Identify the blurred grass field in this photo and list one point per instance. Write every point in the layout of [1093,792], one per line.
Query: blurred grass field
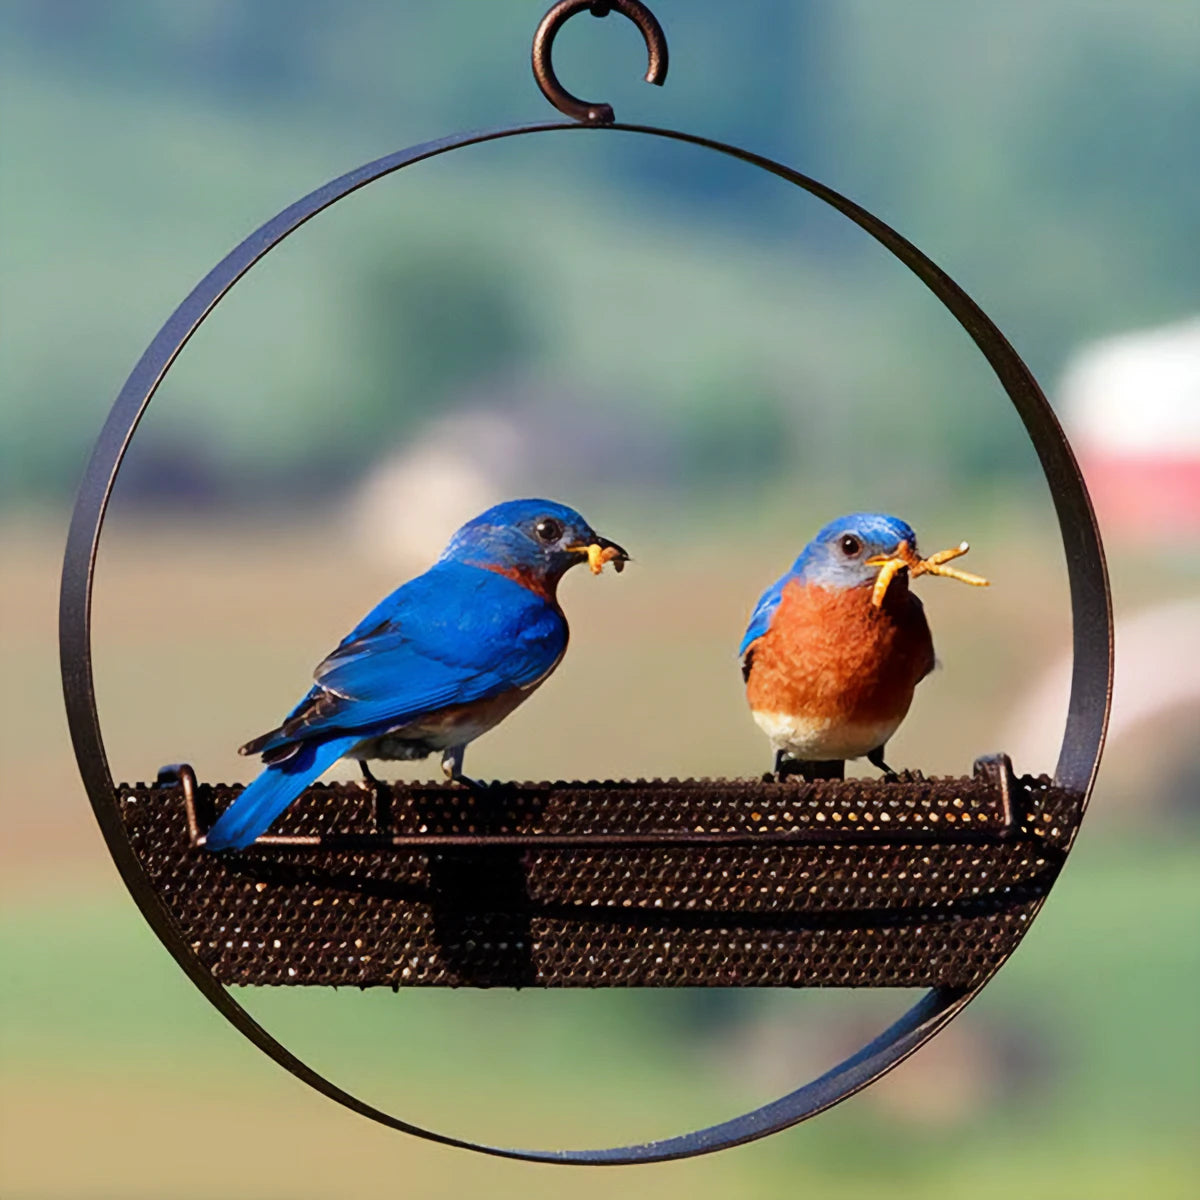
[142,1078]
[1074,1074]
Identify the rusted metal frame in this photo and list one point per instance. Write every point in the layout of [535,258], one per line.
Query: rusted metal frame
[834,833]
[1091,680]
[611,841]
[1086,721]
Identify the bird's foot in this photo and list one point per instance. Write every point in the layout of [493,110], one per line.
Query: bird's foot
[785,766]
[908,775]
[476,785]
[875,758]
[805,769]
[452,761]
[381,797]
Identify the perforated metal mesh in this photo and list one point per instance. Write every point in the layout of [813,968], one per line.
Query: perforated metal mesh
[884,884]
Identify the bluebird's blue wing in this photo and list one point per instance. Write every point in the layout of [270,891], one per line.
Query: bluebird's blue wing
[764,610]
[454,635]
[451,636]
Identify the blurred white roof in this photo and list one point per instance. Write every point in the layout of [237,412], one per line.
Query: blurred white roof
[410,503]
[1136,394]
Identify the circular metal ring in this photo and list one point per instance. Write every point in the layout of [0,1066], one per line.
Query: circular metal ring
[1091,610]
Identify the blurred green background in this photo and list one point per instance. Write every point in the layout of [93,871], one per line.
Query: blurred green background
[710,365]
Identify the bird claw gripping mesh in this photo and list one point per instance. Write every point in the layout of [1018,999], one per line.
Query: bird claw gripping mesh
[716,883]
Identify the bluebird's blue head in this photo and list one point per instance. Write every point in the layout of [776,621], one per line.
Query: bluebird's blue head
[852,552]
[533,541]
[848,552]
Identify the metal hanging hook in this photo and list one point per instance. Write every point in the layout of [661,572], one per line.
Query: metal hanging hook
[587,111]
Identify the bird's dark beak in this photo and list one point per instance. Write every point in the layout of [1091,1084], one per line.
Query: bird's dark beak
[600,551]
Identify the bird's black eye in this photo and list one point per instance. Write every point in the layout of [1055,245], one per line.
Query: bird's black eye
[548,529]
[850,545]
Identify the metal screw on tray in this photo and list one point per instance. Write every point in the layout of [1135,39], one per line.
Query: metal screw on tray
[924,881]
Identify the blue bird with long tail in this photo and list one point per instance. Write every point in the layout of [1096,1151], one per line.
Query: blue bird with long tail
[439,662]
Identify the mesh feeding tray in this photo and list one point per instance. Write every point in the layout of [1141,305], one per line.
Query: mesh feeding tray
[695,883]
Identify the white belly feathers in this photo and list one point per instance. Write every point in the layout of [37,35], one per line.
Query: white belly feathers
[813,739]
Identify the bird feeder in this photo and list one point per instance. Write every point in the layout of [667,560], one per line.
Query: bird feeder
[649,883]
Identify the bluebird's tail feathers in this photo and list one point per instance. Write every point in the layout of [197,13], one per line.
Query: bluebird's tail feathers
[254,811]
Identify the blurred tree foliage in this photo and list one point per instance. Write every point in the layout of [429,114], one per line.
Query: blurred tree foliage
[738,430]
[438,321]
[1039,150]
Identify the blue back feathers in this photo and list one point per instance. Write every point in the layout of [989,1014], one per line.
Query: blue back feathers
[451,636]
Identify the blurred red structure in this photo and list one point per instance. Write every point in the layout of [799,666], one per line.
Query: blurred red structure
[1131,405]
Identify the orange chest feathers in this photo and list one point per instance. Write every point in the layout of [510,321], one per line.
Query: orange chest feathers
[831,654]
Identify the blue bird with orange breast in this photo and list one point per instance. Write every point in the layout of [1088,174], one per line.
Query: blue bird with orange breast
[837,645]
[440,661]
